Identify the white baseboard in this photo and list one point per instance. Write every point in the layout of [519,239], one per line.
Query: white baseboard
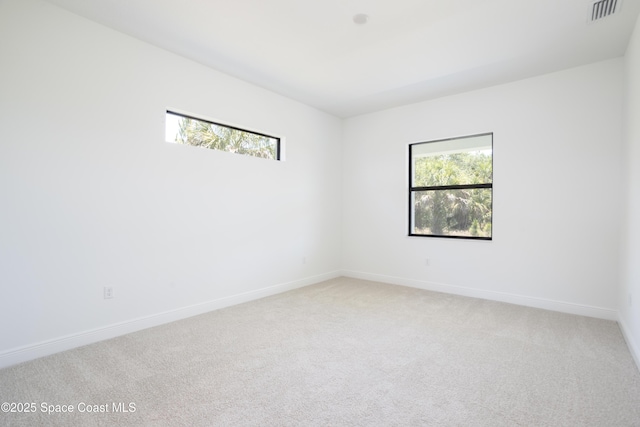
[633,346]
[56,345]
[547,304]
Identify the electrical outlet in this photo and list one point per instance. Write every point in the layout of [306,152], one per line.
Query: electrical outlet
[427,262]
[304,260]
[108,292]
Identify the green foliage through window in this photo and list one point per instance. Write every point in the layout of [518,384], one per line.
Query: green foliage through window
[452,187]
[201,133]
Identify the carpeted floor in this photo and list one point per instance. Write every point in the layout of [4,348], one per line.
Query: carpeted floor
[344,352]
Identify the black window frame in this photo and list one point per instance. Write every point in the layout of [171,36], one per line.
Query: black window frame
[413,189]
[278,140]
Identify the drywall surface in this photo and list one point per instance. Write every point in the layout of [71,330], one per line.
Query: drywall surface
[630,289]
[557,192]
[92,196]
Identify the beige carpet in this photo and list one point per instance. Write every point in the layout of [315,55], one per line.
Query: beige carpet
[344,352]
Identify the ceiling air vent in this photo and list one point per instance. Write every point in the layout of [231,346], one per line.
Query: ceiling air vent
[603,8]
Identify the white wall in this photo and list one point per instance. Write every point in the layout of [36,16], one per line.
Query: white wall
[92,196]
[557,195]
[629,304]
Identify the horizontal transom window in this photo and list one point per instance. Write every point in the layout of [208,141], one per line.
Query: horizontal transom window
[187,130]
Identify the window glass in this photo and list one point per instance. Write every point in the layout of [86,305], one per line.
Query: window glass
[188,130]
[451,187]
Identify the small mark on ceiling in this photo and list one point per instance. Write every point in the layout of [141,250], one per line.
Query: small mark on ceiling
[360,18]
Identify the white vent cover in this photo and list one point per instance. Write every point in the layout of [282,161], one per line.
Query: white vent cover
[602,8]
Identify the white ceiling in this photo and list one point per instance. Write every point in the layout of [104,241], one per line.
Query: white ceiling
[410,50]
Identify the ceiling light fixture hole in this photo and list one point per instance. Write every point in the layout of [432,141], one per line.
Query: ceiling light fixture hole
[360,18]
